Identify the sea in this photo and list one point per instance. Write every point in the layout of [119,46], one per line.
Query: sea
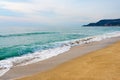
[21,46]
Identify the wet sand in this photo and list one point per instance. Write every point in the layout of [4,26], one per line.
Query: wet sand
[102,64]
[56,66]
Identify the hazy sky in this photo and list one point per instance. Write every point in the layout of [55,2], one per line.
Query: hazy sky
[56,12]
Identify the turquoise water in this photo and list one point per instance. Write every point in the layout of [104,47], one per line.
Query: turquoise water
[17,41]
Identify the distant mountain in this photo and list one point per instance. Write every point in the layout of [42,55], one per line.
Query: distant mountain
[106,22]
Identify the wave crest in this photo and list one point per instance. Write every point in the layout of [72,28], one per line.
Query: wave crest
[27,34]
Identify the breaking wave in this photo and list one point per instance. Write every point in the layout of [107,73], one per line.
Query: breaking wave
[6,65]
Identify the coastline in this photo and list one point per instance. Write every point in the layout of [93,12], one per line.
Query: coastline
[42,66]
[102,64]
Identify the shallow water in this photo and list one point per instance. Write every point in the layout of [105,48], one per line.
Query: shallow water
[18,41]
[25,45]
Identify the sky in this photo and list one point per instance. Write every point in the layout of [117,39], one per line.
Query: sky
[56,12]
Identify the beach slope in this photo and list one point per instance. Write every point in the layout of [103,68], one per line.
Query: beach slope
[103,64]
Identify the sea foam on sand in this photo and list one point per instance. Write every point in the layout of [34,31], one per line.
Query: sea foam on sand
[6,65]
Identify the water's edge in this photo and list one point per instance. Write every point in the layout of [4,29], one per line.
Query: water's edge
[5,65]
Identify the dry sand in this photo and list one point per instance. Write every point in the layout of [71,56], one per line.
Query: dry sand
[99,65]
[102,64]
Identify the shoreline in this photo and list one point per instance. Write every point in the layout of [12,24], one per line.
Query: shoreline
[102,64]
[62,47]
[23,71]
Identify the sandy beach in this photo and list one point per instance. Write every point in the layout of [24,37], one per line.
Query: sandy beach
[102,64]
[59,40]
[93,61]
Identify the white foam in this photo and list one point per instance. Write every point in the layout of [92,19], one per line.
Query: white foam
[5,65]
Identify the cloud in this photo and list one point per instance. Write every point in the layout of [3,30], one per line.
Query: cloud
[6,12]
[62,8]
[17,0]
[16,6]
[58,11]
